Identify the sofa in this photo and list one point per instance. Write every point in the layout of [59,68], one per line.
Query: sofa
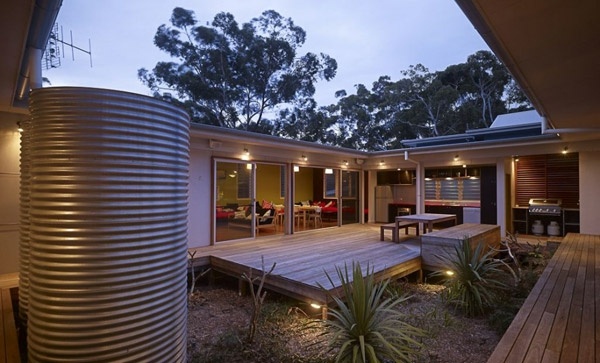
[265,218]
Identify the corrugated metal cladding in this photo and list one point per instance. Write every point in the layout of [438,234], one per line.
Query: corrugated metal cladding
[24,222]
[108,233]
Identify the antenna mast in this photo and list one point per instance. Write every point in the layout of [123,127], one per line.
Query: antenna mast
[56,47]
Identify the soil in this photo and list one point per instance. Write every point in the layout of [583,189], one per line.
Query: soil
[219,318]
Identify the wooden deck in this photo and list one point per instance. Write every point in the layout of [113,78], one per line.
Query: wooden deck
[9,343]
[560,320]
[303,259]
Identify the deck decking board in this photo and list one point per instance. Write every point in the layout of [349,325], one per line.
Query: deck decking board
[302,259]
[9,343]
[587,343]
[537,296]
[597,298]
[559,320]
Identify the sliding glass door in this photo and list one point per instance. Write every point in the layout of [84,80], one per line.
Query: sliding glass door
[349,186]
[329,195]
[249,199]
[234,200]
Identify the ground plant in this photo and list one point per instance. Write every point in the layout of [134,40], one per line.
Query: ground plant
[289,331]
[364,325]
[474,278]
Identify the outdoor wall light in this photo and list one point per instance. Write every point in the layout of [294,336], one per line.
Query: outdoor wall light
[315,306]
[565,150]
[382,162]
[516,159]
[246,154]
[464,166]
[456,157]
[345,162]
[304,158]
[19,127]
[360,161]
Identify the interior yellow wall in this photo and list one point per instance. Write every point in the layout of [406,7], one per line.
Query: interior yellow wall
[304,185]
[228,185]
[268,183]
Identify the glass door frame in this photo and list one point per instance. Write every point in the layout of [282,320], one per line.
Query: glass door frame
[215,196]
[357,198]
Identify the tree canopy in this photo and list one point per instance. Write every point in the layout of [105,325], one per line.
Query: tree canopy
[233,76]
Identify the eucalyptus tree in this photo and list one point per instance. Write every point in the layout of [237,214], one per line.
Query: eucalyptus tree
[307,122]
[429,102]
[231,75]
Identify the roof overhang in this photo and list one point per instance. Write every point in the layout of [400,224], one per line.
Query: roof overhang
[250,138]
[25,25]
[552,48]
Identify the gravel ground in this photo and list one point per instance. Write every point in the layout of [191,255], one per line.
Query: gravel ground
[219,318]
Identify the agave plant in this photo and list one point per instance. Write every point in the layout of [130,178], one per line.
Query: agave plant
[365,326]
[476,278]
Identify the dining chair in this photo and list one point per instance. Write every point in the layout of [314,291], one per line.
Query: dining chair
[315,217]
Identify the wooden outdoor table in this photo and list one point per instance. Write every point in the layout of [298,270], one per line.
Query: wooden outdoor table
[428,219]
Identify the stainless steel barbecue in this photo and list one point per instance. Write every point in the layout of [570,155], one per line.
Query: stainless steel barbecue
[545,207]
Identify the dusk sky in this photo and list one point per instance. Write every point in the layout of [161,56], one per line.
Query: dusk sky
[368,39]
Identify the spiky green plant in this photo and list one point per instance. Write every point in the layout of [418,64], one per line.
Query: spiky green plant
[476,280]
[364,326]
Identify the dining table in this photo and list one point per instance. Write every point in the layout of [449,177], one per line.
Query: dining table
[427,219]
[305,210]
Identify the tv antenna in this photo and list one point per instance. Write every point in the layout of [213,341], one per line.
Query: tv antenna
[55,48]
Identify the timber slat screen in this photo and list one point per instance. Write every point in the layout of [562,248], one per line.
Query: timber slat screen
[560,319]
[548,176]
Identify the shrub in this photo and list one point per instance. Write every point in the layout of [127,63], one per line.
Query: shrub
[476,278]
[365,327]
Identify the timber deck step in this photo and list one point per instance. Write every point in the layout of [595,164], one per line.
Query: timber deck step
[305,259]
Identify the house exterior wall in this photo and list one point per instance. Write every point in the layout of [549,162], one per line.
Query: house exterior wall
[9,196]
[501,190]
[200,197]
[589,184]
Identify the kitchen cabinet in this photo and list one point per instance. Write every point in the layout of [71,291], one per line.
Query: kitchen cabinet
[522,221]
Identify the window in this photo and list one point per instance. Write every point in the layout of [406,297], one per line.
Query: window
[244,181]
[329,184]
[349,184]
[282,182]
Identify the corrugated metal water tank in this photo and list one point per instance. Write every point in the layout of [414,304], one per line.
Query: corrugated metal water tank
[24,163]
[108,227]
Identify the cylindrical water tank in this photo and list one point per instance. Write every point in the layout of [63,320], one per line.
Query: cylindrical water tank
[108,227]
[24,222]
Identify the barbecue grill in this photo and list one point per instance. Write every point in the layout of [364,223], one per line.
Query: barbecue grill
[545,207]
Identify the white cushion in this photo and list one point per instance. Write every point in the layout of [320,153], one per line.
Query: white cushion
[265,216]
